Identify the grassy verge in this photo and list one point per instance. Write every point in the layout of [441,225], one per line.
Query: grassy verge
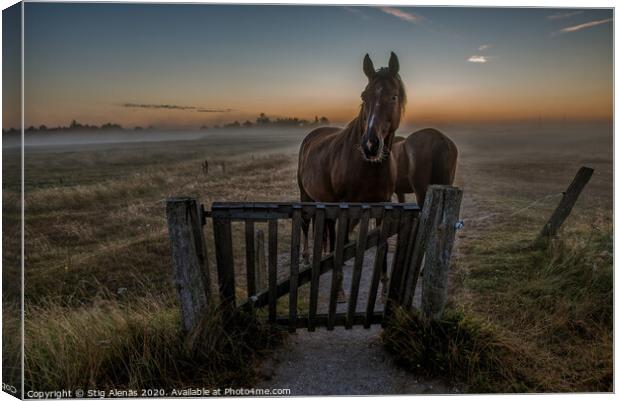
[537,319]
[140,345]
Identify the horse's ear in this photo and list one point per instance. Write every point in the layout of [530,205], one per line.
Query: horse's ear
[393,65]
[369,69]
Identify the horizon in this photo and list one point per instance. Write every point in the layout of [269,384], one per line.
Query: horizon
[184,65]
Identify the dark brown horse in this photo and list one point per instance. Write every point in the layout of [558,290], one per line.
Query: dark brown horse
[425,158]
[355,164]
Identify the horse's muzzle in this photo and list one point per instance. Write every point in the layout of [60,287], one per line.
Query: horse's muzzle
[370,153]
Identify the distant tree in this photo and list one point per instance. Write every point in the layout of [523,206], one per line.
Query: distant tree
[31,128]
[216,126]
[234,124]
[204,127]
[75,125]
[247,124]
[324,120]
[137,128]
[262,119]
[316,120]
[42,128]
[111,126]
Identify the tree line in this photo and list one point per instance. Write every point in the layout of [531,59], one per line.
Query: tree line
[264,121]
[261,121]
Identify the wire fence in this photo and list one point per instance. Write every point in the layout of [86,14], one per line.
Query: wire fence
[461,223]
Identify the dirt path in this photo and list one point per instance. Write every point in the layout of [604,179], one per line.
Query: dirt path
[343,362]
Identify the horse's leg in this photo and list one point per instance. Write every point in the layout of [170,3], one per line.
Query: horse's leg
[401,197]
[342,297]
[305,225]
[329,234]
[384,277]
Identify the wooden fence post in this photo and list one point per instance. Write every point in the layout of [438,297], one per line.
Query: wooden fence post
[189,258]
[566,204]
[439,246]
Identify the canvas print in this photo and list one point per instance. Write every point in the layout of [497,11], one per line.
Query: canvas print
[289,200]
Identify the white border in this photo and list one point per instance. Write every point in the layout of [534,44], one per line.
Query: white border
[470,3]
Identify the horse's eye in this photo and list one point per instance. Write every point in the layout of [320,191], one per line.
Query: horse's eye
[394,98]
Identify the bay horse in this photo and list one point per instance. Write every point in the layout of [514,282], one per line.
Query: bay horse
[424,158]
[355,163]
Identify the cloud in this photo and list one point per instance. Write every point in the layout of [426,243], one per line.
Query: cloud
[478,59]
[483,47]
[175,107]
[158,106]
[403,15]
[358,12]
[201,110]
[563,15]
[579,27]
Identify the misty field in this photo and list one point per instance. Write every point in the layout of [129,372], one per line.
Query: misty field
[98,270]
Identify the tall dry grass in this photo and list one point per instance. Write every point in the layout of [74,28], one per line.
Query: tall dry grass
[541,319]
[111,345]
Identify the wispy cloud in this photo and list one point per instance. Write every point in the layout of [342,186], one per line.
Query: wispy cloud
[201,110]
[478,59]
[175,107]
[157,106]
[579,27]
[403,15]
[563,15]
[358,12]
[483,47]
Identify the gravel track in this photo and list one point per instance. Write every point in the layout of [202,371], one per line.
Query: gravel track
[343,362]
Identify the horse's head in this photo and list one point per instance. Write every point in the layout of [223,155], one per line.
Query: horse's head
[383,101]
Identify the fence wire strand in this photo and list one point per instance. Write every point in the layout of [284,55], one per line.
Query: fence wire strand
[461,223]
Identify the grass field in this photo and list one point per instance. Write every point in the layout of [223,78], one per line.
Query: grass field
[98,264]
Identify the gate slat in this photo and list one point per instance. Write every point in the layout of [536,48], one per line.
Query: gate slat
[273,268]
[305,274]
[224,256]
[378,265]
[407,266]
[295,239]
[250,258]
[338,262]
[357,267]
[398,262]
[317,246]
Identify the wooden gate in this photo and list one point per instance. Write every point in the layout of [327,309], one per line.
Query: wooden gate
[417,236]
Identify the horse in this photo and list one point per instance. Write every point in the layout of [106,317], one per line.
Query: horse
[424,158]
[355,163]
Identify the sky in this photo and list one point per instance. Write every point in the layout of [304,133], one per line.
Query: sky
[184,65]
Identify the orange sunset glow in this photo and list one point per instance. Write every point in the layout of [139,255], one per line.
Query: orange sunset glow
[222,64]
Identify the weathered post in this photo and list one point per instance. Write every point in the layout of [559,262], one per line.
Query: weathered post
[566,204]
[447,200]
[189,258]
[414,265]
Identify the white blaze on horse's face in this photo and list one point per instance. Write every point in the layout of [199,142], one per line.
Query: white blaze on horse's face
[381,109]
